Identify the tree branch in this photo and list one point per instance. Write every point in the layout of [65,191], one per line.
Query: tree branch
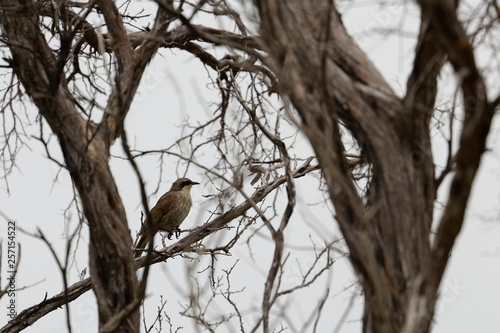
[120,42]
[29,316]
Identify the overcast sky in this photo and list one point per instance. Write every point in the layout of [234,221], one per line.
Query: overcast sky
[175,88]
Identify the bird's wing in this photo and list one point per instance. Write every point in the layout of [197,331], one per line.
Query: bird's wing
[156,213]
[165,203]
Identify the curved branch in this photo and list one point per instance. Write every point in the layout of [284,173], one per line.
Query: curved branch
[29,316]
[32,314]
[120,41]
[478,117]
[221,221]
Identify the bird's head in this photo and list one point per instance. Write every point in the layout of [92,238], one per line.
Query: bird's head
[182,183]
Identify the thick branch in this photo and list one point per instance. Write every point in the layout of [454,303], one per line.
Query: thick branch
[120,41]
[129,77]
[478,116]
[85,152]
[421,87]
[29,316]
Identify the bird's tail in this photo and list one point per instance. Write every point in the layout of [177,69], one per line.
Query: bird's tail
[144,236]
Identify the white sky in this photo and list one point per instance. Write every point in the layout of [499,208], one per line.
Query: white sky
[40,191]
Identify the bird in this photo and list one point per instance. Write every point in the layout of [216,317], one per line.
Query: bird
[168,213]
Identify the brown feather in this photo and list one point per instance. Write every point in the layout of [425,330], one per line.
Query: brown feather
[168,213]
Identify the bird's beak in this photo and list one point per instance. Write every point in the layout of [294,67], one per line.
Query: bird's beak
[195,183]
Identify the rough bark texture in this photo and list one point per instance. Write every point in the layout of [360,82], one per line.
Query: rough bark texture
[86,150]
[335,89]
[330,81]
[85,145]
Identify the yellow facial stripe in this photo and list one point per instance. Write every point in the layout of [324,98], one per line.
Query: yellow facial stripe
[187,186]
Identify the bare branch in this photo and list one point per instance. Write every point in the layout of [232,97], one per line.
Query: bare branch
[31,315]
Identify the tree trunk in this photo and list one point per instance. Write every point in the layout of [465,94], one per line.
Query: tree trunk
[86,151]
[332,83]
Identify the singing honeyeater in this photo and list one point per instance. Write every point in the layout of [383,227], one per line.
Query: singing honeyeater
[168,213]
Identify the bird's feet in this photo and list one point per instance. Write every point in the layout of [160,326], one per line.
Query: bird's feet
[176,231]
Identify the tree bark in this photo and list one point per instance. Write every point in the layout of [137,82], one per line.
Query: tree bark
[332,83]
[337,92]
[85,147]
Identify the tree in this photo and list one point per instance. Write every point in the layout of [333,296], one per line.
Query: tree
[373,147]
